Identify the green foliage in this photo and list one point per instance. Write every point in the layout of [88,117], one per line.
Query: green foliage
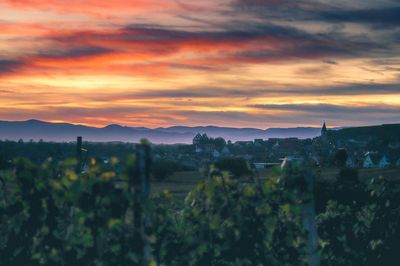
[203,139]
[363,230]
[225,222]
[238,167]
[161,169]
[52,216]
[340,157]
[348,176]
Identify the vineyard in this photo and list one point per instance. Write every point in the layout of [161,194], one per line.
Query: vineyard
[55,214]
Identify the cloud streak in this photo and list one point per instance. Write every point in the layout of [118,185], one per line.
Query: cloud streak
[256,63]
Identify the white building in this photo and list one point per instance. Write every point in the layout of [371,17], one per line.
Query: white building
[368,162]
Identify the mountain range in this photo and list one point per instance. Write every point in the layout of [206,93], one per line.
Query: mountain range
[64,132]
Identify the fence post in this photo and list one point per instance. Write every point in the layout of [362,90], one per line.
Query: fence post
[141,186]
[79,154]
[309,222]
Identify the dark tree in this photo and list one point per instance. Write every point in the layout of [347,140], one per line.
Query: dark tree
[341,157]
[219,143]
[197,139]
[162,169]
[238,167]
[347,175]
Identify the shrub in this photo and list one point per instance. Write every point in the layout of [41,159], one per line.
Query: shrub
[348,175]
[236,166]
[162,169]
[226,222]
[362,231]
[340,157]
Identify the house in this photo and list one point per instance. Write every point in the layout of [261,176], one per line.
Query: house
[368,162]
[384,162]
[225,151]
[216,154]
[371,160]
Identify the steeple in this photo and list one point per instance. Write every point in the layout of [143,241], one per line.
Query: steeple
[324,130]
[324,134]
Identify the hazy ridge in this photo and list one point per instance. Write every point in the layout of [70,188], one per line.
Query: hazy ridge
[59,132]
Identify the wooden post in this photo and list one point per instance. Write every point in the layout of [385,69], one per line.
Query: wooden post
[79,154]
[141,185]
[309,222]
[143,161]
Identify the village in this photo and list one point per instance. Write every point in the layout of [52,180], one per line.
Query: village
[323,151]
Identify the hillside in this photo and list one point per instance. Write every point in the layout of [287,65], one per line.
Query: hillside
[64,132]
[389,132]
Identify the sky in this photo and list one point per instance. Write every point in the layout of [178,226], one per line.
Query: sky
[237,63]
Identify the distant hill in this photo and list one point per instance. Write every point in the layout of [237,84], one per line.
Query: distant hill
[64,132]
[389,132]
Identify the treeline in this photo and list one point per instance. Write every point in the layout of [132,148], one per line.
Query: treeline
[51,215]
[39,152]
[386,133]
[204,140]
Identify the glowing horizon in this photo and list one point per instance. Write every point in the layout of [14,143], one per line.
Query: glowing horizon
[236,63]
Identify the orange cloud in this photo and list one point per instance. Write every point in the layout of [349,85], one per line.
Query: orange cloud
[161,62]
[102,8]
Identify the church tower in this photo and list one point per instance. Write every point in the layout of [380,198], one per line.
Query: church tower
[324,133]
[324,130]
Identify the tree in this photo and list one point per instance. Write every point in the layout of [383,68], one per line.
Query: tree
[238,167]
[162,169]
[204,139]
[348,175]
[219,143]
[197,139]
[340,157]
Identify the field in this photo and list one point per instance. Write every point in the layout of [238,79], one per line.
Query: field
[178,184]
[393,174]
[181,183]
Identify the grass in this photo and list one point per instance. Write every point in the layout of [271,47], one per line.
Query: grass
[329,174]
[181,183]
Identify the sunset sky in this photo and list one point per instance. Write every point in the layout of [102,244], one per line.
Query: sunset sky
[239,63]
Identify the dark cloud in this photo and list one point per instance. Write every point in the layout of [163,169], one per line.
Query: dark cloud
[388,16]
[239,31]
[330,108]
[293,10]
[271,89]
[10,66]
[361,88]
[288,43]
[330,62]
[73,53]
[350,118]
[197,67]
